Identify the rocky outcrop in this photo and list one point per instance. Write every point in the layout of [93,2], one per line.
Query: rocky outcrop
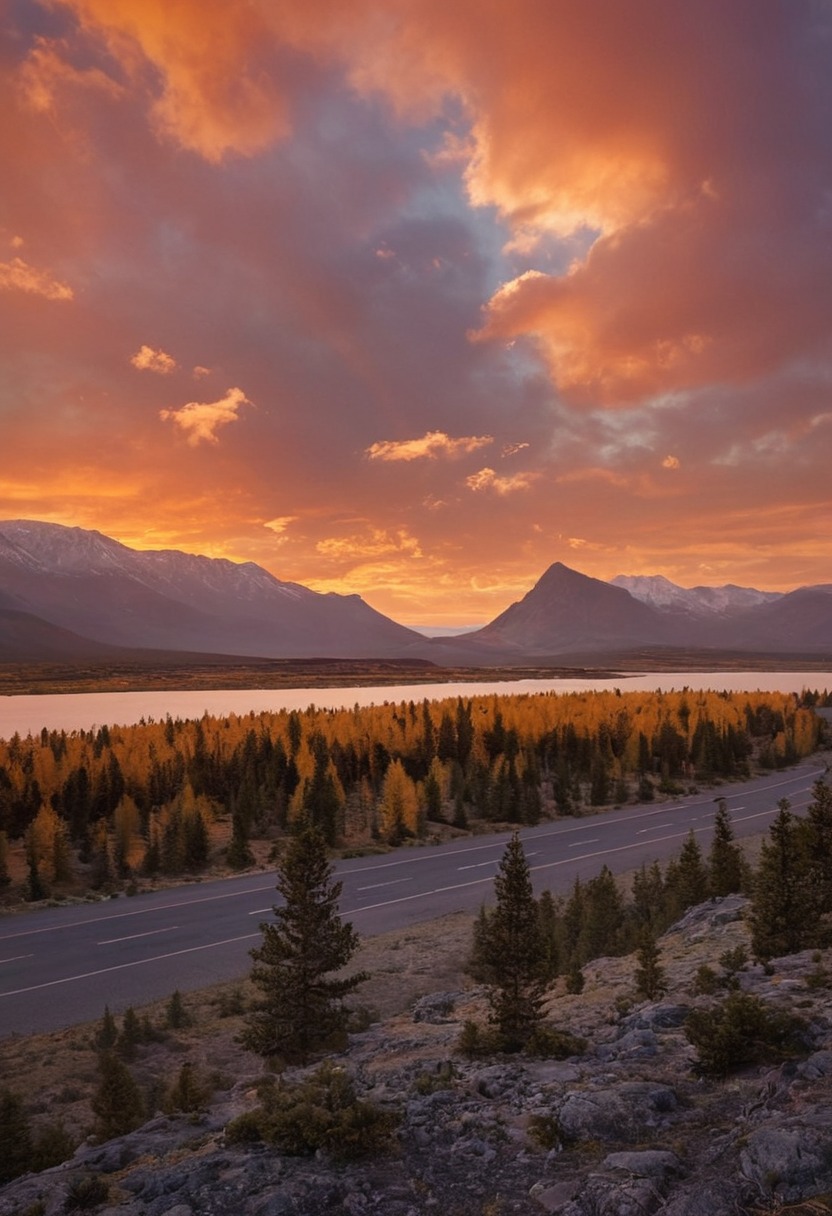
[626,1129]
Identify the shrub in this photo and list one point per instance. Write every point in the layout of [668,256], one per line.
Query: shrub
[706,981]
[320,1113]
[548,1043]
[476,1041]
[739,1032]
[176,1015]
[442,1077]
[545,1130]
[87,1192]
[188,1093]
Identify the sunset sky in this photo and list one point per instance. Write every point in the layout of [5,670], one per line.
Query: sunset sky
[413,298]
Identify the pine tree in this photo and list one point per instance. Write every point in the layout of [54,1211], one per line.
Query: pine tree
[817,831]
[176,1015]
[515,951]
[107,1035]
[602,918]
[727,870]
[781,906]
[117,1102]
[301,1009]
[690,878]
[650,977]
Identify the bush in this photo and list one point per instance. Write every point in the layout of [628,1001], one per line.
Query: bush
[546,1131]
[548,1043]
[739,1032]
[442,1077]
[476,1041]
[188,1093]
[87,1192]
[322,1113]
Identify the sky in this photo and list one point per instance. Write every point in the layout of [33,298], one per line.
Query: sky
[413,299]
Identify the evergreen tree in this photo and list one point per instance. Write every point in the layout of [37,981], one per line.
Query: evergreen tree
[15,1137]
[130,1035]
[5,877]
[35,888]
[515,951]
[817,831]
[650,977]
[238,854]
[727,869]
[301,1009]
[781,906]
[117,1102]
[648,906]
[602,918]
[176,1015]
[107,1035]
[690,878]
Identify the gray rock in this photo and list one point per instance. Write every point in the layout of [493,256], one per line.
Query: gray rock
[789,1163]
[653,1163]
[622,1113]
[435,1008]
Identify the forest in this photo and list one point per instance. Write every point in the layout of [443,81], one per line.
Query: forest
[169,797]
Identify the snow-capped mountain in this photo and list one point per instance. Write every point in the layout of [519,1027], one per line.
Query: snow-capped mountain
[660,592]
[92,585]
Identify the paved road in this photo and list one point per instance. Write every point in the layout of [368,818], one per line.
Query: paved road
[60,966]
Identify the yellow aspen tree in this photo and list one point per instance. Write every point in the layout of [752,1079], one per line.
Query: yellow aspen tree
[398,805]
[126,838]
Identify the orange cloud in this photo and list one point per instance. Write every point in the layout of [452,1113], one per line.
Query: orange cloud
[18,275]
[431,445]
[671,462]
[46,71]
[146,359]
[375,542]
[215,94]
[487,479]
[201,420]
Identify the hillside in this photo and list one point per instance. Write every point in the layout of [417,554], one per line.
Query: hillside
[626,1126]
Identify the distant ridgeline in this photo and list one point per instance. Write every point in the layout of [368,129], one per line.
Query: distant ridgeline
[172,796]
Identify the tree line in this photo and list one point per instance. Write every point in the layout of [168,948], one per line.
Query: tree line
[148,798]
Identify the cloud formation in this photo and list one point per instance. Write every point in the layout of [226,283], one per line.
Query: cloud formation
[146,359]
[594,241]
[431,445]
[200,421]
[18,275]
[487,479]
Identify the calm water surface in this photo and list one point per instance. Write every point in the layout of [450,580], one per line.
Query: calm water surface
[83,711]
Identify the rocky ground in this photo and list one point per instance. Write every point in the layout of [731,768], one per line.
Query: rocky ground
[627,1128]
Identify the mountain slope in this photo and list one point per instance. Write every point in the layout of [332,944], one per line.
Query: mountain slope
[567,611]
[90,584]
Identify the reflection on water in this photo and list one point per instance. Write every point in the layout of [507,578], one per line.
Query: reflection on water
[85,710]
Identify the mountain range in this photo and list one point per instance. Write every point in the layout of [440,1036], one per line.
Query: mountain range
[70,594]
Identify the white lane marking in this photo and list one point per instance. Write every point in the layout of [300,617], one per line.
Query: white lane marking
[111,941]
[478,865]
[579,844]
[15,958]
[99,920]
[139,962]
[657,827]
[390,883]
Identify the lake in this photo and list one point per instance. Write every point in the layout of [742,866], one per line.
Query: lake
[84,711]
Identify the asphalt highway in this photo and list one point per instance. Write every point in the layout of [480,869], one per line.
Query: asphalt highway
[60,966]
